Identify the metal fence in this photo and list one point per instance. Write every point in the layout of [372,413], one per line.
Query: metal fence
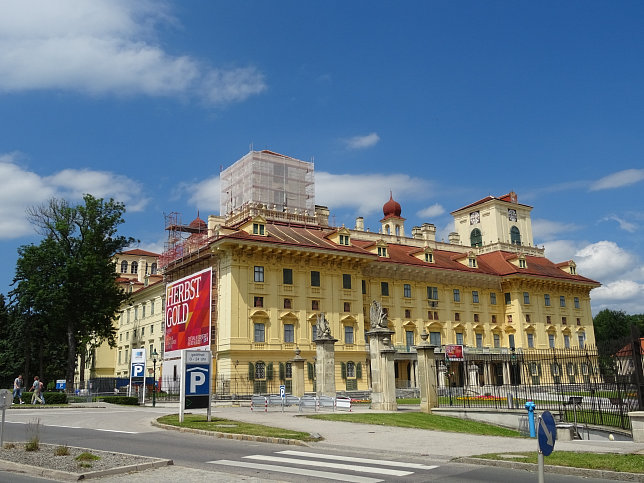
[587,386]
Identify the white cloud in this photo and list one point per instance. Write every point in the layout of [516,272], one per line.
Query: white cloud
[623,224]
[604,261]
[204,195]
[368,191]
[362,142]
[434,210]
[618,179]
[547,229]
[23,189]
[106,47]
[618,291]
[561,250]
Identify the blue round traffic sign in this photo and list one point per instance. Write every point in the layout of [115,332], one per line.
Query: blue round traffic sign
[547,433]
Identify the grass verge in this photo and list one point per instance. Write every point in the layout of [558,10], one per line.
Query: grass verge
[628,463]
[421,421]
[198,421]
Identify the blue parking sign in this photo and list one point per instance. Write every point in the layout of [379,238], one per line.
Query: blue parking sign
[197,379]
[138,370]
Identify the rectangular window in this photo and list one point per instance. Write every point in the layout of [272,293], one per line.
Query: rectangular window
[564,321]
[119,357]
[566,341]
[289,333]
[408,313]
[382,252]
[259,333]
[348,334]
[432,293]
[459,338]
[121,337]
[435,338]
[429,257]
[476,317]
[527,318]
[344,240]
[508,298]
[152,329]
[530,340]
[551,340]
[562,301]
[151,349]
[457,316]
[287,303]
[578,321]
[430,315]
[494,319]
[457,295]
[142,331]
[497,340]
[546,299]
[258,302]
[162,347]
[143,310]
[258,229]
[287,276]
[315,278]
[576,302]
[479,340]
[475,296]
[136,313]
[409,338]
[582,340]
[346,281]
[259,274]
[364,287]
[509,319]
[315,305]
[347,306]
[511,340]
[407,290]
[526,298]
[152,308]
[384,288]
[492,298]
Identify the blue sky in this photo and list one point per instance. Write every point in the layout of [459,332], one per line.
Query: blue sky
[444,103]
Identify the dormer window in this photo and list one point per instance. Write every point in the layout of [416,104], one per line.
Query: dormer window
[471,262]
[522,263]
[258,229]
[344,240]
[429,257]
[382,251]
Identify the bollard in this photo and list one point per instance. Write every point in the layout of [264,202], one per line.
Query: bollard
[530,407]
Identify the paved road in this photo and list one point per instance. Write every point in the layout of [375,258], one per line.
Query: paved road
[349,453]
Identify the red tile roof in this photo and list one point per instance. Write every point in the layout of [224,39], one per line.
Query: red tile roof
[138,251]
[505,198]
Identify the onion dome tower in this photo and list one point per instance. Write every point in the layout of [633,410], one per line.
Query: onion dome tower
[392,223]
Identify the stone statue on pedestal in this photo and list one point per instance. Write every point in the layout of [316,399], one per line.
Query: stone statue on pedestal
[323,331]
[378,316]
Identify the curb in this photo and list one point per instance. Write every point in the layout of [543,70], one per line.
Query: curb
[60,475]
[238,437]
[559,470]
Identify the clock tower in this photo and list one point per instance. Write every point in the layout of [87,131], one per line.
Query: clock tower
[493,220]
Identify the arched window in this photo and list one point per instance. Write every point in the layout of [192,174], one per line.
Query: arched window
[154,269]
[124,266]
[134,268]
[397,230]
[515,236]
[476,239]
[387,229]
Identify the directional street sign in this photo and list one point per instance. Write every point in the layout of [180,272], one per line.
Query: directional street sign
[547,433]
[6,398]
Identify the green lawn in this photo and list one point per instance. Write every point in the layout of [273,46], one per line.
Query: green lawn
[629,463]
[198,421]
[420,421]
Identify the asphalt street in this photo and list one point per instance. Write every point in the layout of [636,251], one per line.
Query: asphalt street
[361,459]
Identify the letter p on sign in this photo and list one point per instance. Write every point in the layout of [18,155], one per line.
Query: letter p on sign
[197,380]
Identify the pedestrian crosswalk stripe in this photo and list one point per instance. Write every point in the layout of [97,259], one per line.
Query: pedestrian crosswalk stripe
[401,464]
[298,471]
[326,464]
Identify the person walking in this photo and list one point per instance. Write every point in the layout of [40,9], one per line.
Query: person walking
[17,388]
[36,396]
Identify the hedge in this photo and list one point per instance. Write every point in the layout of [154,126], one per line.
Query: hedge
[53,397]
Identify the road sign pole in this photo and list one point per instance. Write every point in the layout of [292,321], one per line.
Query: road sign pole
[182,392]
[210,384]
[2,430]
[540,456]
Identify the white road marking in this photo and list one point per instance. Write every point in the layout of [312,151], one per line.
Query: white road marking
[325,464]
[78,427]
[359,460]
[297,471]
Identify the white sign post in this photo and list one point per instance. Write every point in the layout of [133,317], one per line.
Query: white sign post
[6,400]
[196,387]
[137,370]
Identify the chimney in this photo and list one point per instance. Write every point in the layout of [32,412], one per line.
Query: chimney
[322,214]
[429,232]
[416,233]
[360,224]
[454,239]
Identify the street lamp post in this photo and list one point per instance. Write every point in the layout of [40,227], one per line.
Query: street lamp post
[154,377]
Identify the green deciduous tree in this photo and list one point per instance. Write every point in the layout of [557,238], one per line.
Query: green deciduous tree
[66,284]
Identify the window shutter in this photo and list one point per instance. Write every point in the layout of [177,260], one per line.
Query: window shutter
[343,370]
[359,370]
[310,370]
[282,371]
[269,371]
[251,371]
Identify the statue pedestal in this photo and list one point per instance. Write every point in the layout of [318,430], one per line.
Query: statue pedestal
[297,366]
[383,376]
[427,375]
[325,366]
